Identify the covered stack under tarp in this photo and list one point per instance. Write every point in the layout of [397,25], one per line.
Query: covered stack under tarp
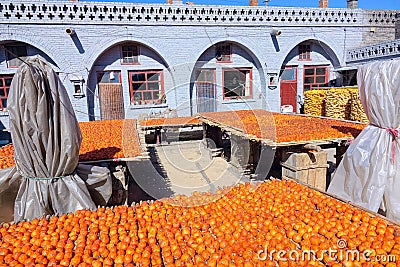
[47,138]
[369,174]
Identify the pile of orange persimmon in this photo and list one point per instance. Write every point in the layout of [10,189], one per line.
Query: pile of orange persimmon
[7,156]
[284,127]
[106,139]
[158,122]
[238,226]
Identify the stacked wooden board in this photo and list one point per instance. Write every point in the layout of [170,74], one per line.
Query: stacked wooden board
[309,168]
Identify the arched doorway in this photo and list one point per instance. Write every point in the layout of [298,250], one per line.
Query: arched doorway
[128,79]
[226,76]
[309,65]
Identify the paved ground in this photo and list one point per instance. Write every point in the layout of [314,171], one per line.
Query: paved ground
[182,168]
[173,169]
[185,167]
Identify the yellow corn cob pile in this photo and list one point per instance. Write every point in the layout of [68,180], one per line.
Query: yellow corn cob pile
[357,112]
[338,103]
[314,102]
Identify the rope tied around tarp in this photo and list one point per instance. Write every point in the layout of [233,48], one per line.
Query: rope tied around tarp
[47,178]
[395,134]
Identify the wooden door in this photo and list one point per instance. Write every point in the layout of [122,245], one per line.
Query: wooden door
[205,90]
[110,93]
[289,87]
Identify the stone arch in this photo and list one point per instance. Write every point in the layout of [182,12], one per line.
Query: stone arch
[41,46]
[100,53]
[105,48]
[291,89]
[93,57]
[325,46]
[236,42]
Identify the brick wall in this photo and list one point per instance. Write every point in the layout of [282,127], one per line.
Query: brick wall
[397,30]
[352,4]
[379,26]
[253,3]
[175,37]
[373,35]
[323,3]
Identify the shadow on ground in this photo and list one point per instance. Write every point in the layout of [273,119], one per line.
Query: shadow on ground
[179,168]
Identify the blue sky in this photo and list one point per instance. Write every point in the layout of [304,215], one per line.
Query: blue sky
[366,4]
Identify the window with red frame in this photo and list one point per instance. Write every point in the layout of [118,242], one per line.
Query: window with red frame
[146,87]
[5,82]
[315,76]
[130,54]
[305,52]
[237,83]
[223,53]
[14,54]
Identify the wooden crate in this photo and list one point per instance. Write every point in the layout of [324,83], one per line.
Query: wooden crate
[309,168]
[314,176]
[301,160]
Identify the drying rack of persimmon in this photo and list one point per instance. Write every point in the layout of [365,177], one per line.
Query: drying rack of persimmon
[279,130]
[245,225]
[177,122]
[105,140]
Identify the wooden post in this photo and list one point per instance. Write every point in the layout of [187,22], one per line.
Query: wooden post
[265,161]
[204,130]
[215,134]
[206,134]
[240,149]
[340,150]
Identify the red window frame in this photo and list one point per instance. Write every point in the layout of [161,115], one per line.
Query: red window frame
[11,54]
[238,97]
[133,53]
[146,82]
[224,51]
[4,88]
[305,52]
[315,84]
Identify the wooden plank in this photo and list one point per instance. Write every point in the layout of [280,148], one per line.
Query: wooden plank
[152,127]
[320,178]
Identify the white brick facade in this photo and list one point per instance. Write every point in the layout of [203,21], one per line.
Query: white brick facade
[178,39]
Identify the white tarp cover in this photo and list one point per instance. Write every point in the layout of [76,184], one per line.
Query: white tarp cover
[369,174]
[47,139]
